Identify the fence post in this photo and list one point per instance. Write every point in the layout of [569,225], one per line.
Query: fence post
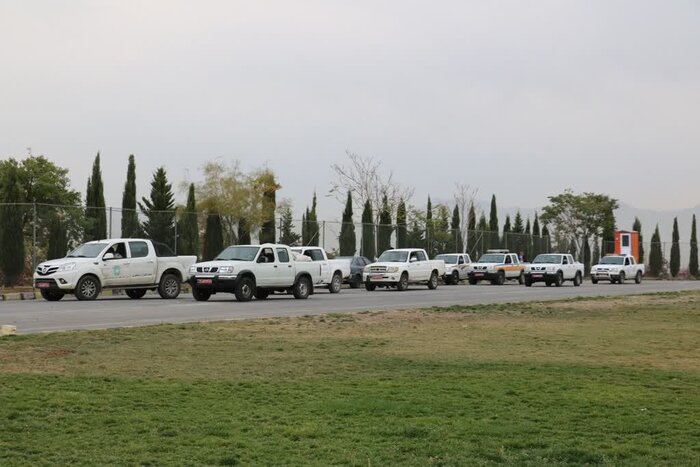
[175,246]
[323,240]
[110,222]
[34,237]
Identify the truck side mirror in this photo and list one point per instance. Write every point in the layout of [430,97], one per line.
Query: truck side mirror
[108,256]
[413,259]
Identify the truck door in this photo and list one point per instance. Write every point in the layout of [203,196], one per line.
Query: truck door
[285,272]
[143,263]
[317,256]
[266,268]
[421,268]
[116,270]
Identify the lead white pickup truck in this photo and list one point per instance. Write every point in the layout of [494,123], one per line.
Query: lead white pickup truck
[554,269]
[133,264]
[401,267]
[249,271]
[333,271]
[617,268]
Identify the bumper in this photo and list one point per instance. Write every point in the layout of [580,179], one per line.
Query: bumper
[605,276]
[537,276]
[382,278]
[213,283]
[483,275]
[56,281]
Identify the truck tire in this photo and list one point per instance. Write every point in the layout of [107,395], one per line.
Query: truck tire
[473,281]
[454,279]
[559,279]
[200,295]
[88,288]
[621,278]
[262,294]
[433,281]
[245,289]
[52,295]
[402,284]
[355,281]
[638,277]
[594,280]
[528,281]
[521,278]
[169,286]
[500,278]
[302,288]
[135,293]
[336,283]
[578,279]
[369,287]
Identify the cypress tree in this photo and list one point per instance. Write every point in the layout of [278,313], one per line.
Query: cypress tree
[528,241]
[455,227]
[586,257]
[517,241]
[471,228]
[368,239]
[693,263]
[58,239]
[244,232]
[304,228]
[287,234]
[385,228]
[11,227]
[401,227]
[96,208]
[213,237]
[493,224]
[159,210]
[429,227]
[130,218]
[187,227]
[637,227]
[536,237]
[546,241]
[347,230]
[312,220]
[88,227]
[269,187]
[609,232]
[656,256]
[506,231]
[675,264]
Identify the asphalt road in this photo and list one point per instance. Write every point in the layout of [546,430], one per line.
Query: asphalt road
[112,312]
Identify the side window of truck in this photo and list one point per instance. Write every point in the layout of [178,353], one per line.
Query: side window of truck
[421,256]
[282,255]
[138,249]
[509,259]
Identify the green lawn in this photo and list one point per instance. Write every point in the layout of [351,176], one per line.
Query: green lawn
[613,381]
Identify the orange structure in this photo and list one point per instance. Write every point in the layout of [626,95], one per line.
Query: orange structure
[627,243]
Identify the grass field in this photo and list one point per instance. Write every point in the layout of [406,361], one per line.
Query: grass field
[590,381]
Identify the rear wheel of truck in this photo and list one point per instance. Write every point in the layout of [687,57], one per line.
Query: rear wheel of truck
[638,277]
[521,278]
[578,279]
[52,295]
[433,281]
[135,293]
[245,288]
[169,286]
[336,283]
[302,288]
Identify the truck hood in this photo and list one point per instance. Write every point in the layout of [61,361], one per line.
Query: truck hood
[58,263]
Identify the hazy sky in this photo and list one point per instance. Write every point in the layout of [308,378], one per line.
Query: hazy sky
[517,98]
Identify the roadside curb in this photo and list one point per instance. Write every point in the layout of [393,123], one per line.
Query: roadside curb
[17,296]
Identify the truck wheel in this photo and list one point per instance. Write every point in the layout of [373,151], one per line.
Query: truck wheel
[528,281]
[473,281]
[200,295]
[548,282]
[52,295]
[638,277]
[355,281]
[88,288]
[336,283]
[500,278]
[578,279]
[433,282]
[559,279]
[454,280]
[245,288]
[621,279]
[169,286]
[370,287]
[403,282]
[521,278]
[594,280]
[261,294]
[135,293]
[302,288]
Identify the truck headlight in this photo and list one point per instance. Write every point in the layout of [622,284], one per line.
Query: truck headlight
[392,269]
[193,269]
[366,269]
[226,269]
[551,268]
[67,267]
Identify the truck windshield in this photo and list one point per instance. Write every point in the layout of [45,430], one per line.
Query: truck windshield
[491,258]
[391,256]
[87,250]
[238,253]
[448,259]
[547,259]
[613,260]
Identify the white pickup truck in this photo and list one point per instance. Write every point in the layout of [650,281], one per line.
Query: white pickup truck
[400,267]
[133,264]
[617,268]
[250,271]
[333,271]
[554,268]
[456,267]
[497,266]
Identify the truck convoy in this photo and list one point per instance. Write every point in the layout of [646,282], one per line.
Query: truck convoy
[497,266]
[554,269]
[133,264]
[616,269]
[333,271]
[249,271]
[401,267]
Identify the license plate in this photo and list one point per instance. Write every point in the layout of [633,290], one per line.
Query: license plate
[537,276]
[478,274]
[43,285]
[204,281]
[376,277]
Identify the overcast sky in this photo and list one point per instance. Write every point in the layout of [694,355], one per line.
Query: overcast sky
[518,98]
